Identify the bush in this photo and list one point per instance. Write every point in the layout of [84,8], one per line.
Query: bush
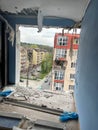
[42,75]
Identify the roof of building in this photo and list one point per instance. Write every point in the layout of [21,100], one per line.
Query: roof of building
[40,50]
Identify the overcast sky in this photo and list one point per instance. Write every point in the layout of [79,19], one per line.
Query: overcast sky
[45,37]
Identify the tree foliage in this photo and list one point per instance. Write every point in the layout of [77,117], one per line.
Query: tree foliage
[46,64]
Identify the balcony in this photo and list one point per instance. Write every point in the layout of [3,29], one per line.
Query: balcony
[58,67]
[60,58]
[59,64]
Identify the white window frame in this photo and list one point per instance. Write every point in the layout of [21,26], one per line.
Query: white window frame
[59,75]
[63,40]
[61,53]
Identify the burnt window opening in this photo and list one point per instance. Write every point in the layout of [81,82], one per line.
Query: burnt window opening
[61,64]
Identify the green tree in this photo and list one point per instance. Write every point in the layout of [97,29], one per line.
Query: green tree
[46,64]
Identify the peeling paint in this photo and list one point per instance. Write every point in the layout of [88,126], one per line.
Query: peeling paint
[24,11]
[28,11]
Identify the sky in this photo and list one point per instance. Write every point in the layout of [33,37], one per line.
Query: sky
[45,37]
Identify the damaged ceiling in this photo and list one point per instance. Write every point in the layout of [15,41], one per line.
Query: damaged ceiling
[70,12]
[70,9]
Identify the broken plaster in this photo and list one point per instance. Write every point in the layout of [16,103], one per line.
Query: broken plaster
[9,30]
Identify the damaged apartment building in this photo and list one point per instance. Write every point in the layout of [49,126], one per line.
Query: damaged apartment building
[64,61]
[65,14]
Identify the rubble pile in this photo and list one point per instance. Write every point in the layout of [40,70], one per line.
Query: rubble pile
[64,100]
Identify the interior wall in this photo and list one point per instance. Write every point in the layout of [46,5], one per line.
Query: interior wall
[3,55]
[0,52]
[86,90]
[11,59]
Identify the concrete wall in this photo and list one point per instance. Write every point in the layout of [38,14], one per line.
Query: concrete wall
[11,60]
[0,52]
[86,90]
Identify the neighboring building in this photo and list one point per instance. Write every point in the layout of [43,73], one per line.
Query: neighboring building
[23,59]
[31,57]
[64,61]
[38,56]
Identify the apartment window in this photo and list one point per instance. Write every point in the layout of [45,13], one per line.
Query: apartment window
[76,41]
[61,53]
[75,53]
[73,64]
[58,86]
[29,53]
[62,41]
[59,75]
[37,57]
[71,87]
[72,76]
